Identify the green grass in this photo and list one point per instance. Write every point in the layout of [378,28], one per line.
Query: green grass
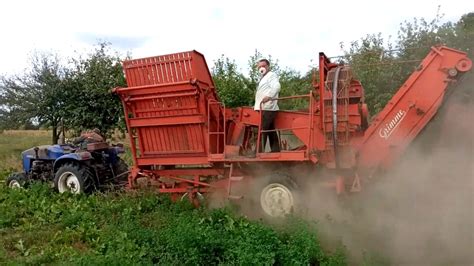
[13,142]
[40,226]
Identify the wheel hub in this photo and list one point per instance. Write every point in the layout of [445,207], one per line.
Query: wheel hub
[69,182]
[276,200]
[14,184]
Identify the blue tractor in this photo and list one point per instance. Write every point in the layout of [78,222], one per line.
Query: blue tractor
[73,168]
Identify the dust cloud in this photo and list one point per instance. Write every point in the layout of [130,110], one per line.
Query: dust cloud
[421,212]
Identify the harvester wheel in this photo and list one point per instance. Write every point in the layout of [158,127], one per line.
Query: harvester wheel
[277,196]
[196,199]
[16,180]
[74,178]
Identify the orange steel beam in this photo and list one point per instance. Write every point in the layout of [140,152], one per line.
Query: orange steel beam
[166,121]
[411,108]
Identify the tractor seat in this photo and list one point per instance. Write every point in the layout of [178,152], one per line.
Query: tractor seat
[95,146]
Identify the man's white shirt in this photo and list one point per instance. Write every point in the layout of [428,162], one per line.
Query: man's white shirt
[268,86]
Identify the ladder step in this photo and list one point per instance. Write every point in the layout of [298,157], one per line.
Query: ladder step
[235,197]
[236,178]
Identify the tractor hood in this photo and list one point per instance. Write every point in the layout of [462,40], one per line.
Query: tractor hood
[45,152]
[51,152]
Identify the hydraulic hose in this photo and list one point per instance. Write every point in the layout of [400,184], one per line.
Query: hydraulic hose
[334,115]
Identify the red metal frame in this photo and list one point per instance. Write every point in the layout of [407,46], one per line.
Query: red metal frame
[220,134]
[178,126]
[309,126]
[411,108]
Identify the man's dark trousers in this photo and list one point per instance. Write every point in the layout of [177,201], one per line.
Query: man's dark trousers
[268,123]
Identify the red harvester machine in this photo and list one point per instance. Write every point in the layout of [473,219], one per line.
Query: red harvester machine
[186,142]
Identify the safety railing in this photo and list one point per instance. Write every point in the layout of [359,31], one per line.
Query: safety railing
[309,127]
[217,133]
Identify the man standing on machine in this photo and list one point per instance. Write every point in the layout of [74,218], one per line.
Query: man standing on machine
[267,92]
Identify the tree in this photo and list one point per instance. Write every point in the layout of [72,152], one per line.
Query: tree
[293,83]
[376,68]
[90,103]
[36,96]
[382,67]
[463,37]
[51,94]
[231,84]
[235,89]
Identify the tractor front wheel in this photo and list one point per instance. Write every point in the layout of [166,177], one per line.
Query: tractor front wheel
[16,180]
[74,178]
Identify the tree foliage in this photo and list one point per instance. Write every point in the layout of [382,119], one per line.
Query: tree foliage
[36,96]
[374,68]
[76,96]
[90,103]
[383,65]
[293,83]
[236,89]
[232,86]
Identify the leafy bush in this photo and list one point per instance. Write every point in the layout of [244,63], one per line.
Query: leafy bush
[41,226]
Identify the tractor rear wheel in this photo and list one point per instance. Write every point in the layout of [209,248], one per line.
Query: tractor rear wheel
[74,178]
[278,197]
[16,180]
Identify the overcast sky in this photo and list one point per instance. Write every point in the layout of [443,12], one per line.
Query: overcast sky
[291,31]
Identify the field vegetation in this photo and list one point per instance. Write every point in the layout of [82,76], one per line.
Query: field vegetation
[39,225]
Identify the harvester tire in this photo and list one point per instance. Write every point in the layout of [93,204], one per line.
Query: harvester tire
[16,180]
[277,196]
[74,178]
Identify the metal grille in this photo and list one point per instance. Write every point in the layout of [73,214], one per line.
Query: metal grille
[166,105]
